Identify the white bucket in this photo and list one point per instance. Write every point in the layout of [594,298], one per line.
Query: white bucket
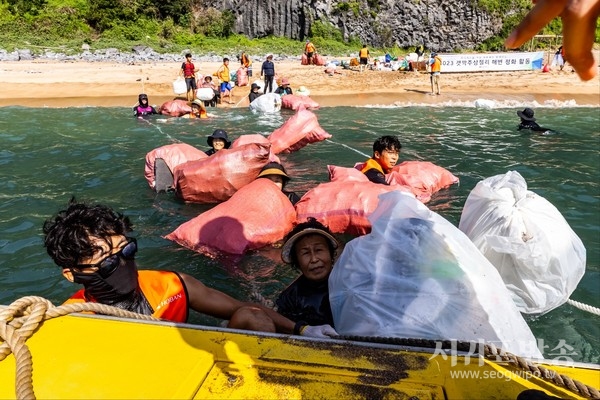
[179,86]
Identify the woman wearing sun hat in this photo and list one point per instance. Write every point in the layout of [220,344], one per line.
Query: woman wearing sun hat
[284,88]
[217,141]
[311,248]
[276,173]
[528,121]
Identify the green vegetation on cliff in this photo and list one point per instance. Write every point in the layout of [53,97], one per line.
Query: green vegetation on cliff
[176,25]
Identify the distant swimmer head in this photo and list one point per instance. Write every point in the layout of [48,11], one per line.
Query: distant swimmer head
[526,114]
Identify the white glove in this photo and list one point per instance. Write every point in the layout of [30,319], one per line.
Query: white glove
[319,331]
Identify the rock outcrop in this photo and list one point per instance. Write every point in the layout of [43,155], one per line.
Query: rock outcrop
[440,25]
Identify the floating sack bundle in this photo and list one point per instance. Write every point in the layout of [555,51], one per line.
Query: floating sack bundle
[175,108]
[172,155]
[267,103]
[423,176]
[242,77]
[254,138]
[218,177]
[255,216]
[300,130]
[296,102]
[345,203]
[539,257]
[417,276]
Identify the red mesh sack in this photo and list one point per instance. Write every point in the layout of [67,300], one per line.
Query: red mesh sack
[218,177]
[257,215]
[295,102]
[174,155]
[423,176]
[175,108]
[301,129]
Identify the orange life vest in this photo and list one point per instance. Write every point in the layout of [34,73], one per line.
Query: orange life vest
[164,290]
[372,164]
[437,64]
[364,53]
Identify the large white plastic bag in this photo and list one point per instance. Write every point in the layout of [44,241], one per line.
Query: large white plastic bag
[266,103]
[539,257]
[417,276]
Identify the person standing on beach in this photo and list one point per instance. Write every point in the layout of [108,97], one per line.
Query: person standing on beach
[268,71]
[435,63]
[188,71]
[225,77]
[246,63]
[363,56]
[309,50]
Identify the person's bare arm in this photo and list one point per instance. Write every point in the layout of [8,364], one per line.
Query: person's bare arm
[218,304]
[579,18]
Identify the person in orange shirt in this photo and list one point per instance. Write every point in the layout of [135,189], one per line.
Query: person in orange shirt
[91,245]
[198,110]
[435,63]
[310,50]
[363,56]
[246,63]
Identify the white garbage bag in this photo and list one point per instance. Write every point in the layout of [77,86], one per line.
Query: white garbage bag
[417,276]
[266,103]
[539,257]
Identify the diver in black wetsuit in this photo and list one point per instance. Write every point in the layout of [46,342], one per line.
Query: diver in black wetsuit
[528,121]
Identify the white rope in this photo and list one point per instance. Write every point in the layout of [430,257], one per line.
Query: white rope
[584,307]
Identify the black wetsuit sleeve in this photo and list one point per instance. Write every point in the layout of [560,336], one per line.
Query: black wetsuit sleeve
[375,176]
[153,111]
[293,197]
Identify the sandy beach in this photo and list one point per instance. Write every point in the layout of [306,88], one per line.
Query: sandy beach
[43,83]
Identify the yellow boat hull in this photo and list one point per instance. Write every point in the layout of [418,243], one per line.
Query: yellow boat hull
[95,357]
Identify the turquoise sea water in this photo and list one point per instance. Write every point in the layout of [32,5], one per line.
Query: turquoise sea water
[97,154]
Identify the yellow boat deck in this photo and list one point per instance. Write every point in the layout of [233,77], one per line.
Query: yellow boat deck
[95,357]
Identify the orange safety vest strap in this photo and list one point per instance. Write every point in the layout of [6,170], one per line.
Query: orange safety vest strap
[164,290]
[437,64]
[372,164]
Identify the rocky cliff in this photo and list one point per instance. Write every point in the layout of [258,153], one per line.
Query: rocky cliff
[441,25]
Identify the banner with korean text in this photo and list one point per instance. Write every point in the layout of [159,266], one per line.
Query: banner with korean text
[515,61]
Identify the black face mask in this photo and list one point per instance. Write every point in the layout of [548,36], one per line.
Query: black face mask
[116,287]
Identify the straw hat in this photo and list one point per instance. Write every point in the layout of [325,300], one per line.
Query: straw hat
[274,168]
[303,91]
[312,226]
